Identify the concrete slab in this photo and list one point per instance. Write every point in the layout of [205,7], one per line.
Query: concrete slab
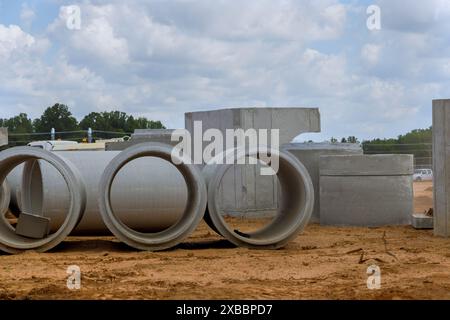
[3,136]
[309,155]
[362,190]
[244,191]
[422,221]
[32,226]
[441,167]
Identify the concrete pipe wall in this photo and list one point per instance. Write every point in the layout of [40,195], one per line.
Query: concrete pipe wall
[295,204]
[5,196]
[15,183]
[10,240]
[149,194]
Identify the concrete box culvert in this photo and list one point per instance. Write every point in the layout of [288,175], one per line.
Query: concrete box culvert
[148,194]
[295,204]
[366,191]
[309,155]
[11,242]
[190,218]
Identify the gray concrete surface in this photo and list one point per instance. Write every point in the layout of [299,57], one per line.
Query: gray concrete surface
[32,226]
[441,167]
[143,135]
[422,221]
[362,190]
[309,155]
[244,191]
[3,136]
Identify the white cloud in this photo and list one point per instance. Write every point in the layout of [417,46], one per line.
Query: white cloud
[371,53]
[27,16]
[161,59]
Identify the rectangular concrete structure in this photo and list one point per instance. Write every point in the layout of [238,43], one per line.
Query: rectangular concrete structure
[441,167]
[421,221]
[309,155]
[3,137]
[32,226]
[362,190]
[244,191]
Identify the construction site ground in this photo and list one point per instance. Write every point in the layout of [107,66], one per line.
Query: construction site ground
[321,263]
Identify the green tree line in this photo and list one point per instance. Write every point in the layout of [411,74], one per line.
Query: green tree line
[59,117]
[416,142]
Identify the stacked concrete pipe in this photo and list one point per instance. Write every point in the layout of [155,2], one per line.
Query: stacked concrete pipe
[296,200]
[148,195]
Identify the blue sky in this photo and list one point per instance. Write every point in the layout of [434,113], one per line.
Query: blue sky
[162,58]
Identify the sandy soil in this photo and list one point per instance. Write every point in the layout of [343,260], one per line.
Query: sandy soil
[322,263]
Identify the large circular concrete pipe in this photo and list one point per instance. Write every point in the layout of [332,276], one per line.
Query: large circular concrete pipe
[148,195]
[191,216]
[12,242]
[295,205]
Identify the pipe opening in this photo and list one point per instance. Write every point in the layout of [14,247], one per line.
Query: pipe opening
[295,204]
[12,242]
[149,202]
[171,236]
[252,207]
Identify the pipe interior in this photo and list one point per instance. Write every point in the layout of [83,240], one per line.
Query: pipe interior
[184,221]
[151,197]
[246,215]
[7,231]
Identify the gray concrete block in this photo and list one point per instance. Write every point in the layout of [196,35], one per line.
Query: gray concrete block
[441,167]
[244,190]
[422,221]
[32,226]
[309,155]
[381,194]
[364,165]
[3,136]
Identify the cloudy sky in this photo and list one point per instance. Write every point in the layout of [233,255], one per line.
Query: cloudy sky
[162,58]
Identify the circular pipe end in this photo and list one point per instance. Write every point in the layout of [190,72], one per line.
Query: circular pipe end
[11,242]
[193,213]
[296,203]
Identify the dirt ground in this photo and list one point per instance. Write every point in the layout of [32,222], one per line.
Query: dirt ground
[322,263]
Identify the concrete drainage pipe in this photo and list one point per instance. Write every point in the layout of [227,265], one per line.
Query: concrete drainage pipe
[139,209]
[5,196]
[295,205]
[13,243]
[193,212]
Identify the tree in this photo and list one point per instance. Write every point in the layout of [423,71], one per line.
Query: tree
[117,121]
[59,117]
[333,140]
[18,124]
